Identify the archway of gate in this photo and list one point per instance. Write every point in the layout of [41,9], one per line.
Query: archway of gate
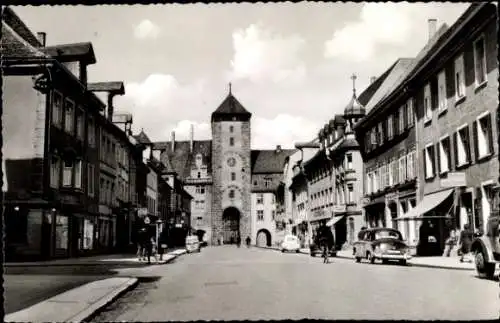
[230,225]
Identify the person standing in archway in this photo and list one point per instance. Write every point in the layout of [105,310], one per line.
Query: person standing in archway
[238,240]
[248,240]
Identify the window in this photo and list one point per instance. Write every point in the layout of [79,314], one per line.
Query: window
[444,155]
[462,146]
[395,172]
[390,181]
[382,177]
[67,172]
[349,161]
[390,127]
[198,175]
[375,181]
[367,183]
[267,182]
[350,193]
[402,117]
[402,169]
[459,77]
[80,131]
[380,136]
[260,215]
[231,129]
[55,171]
[273,214]
[202,190]
[260,198]
[410,112]
[442,97]
[231,141]
[57,109]
[396,123]
[373,138]
[427,103]
[78,174]
[233,176]
[429,161]
[480,61]
[91,133]
[483,136]
[69,116]
[410,165]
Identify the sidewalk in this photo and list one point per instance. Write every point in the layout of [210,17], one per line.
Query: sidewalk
[97,260]
[79,304]
[430,262]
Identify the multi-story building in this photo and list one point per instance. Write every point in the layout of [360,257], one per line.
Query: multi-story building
[267,172]
[456,93]
[51,169]
[219,171]
[387,138]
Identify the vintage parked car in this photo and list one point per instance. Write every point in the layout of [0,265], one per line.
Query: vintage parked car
[290,243]
[384,244]
[486,248]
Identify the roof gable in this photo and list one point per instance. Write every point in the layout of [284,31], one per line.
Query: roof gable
[142,138]
[14,45]
[269,161]
[72,52]
[181,160]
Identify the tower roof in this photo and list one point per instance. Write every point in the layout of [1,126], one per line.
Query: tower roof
[354,108]
[231,107]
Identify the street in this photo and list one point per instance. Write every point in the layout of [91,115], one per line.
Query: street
[228,283]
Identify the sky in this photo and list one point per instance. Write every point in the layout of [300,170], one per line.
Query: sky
[289,64]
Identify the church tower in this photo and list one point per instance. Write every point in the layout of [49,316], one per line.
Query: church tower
[231,171]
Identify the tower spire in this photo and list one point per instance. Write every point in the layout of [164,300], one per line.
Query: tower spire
[229,87]
[353,78]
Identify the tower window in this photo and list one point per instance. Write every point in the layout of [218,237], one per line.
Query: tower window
[231,141]
[233,176]
[231,194]
[231,128]
[199,174]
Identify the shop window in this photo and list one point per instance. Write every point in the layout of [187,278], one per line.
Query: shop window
[61,232]
[69,116]
[88,234]
[459,78]
[16,224]
[427,103]
[444,156]
[480,61]
[429,161]
[462,146]
[483,134]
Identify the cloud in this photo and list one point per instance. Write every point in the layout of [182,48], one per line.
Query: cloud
[282,130]
[385,26]
[260,55]
[146,29]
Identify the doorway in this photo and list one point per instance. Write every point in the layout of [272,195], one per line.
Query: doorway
[230,225]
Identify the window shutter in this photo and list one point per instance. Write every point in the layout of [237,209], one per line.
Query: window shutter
[474,140]
[425,162]
[438,156]
[455,149]
[491,121]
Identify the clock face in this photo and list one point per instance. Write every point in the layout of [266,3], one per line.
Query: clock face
[231,161]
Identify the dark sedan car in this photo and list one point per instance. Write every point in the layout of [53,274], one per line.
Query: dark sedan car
[381,244]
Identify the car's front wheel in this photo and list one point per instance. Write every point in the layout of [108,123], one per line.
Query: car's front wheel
[484,268]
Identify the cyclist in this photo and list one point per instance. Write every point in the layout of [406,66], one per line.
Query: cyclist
[325,240]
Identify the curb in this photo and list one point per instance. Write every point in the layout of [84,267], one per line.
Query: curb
[410,264]
[94,309]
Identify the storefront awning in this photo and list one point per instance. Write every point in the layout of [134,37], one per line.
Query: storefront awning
[429,202]
[376,201]
[334,220]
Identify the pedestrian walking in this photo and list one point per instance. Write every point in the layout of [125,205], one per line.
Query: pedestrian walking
[163,243]
[248,240]
[450,243]
[238,241]
[141,244]
[466,237]
[149,249]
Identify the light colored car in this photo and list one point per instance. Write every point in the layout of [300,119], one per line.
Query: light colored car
[290,243]
[381,244]
[193,244]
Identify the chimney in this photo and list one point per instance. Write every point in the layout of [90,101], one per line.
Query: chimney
[42,37]
[432,27]
[373,79]
[278,148]
[110,106]
[172,140]
[191,138]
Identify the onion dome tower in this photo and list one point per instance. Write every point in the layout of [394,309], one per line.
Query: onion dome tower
[354,110]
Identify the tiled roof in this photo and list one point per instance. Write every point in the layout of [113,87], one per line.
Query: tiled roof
[69,52]
[269,161]
[349,144]
[13,45]
[18,26]
[116,87]
[142,138]
[392,77]
[231,106]
[181,160]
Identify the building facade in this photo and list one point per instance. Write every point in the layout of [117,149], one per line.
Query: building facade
[456,94]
